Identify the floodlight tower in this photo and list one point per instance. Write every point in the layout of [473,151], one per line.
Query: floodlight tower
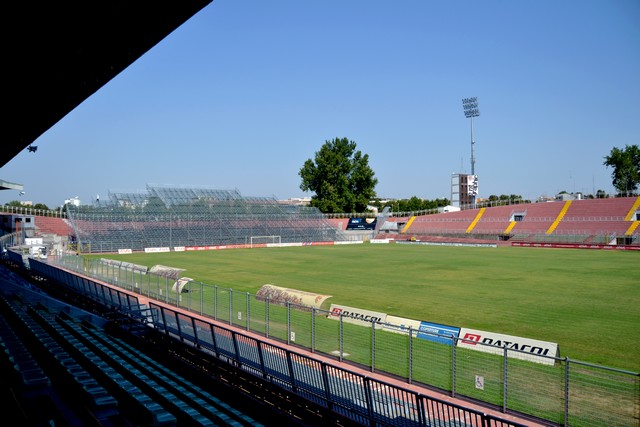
[470,106]
[471,110]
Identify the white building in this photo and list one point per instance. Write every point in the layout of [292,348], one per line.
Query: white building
[75,201]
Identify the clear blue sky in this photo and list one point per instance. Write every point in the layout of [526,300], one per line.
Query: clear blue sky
[247,90]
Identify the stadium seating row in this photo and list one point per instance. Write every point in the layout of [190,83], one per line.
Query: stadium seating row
[85,377]
[578,221]
[143,372]
[53,225]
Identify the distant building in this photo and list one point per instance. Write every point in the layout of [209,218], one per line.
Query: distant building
[21,223]
[566,196]
[75,201]
[448,208]
[464,188]
[544,199]
[296,201]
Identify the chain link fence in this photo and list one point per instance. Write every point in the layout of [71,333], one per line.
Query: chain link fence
[561,391]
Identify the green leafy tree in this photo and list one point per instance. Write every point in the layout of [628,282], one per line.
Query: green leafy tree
[414,204]
[505,199]
[626,168]
[340,177]
[601,194]
[18,203]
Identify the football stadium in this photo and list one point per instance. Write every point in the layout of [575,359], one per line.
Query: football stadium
[189,305]
[192,272]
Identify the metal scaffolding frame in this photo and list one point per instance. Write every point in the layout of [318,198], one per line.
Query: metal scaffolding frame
[175,216]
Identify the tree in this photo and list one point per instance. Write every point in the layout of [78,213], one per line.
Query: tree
[410,205]
[626,168]
[19,204]
[340,177]
[505,199]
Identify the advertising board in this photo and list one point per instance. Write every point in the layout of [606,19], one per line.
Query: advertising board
[157,250]
[519,348]
[357,316]
[362,224]
[438,333]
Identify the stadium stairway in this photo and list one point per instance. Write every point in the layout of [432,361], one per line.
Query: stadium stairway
[633,210]
[477,218]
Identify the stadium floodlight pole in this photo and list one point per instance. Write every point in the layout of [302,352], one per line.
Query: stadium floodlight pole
[471,110]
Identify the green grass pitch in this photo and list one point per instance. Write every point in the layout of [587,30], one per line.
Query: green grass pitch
[587,301]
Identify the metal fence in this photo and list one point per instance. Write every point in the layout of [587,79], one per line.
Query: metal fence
[562,391]
[365,400]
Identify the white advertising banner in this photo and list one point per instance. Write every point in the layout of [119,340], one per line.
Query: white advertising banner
[357,316]
[519,348]
[156,250]
[380,240]
[472,185]
[124,251]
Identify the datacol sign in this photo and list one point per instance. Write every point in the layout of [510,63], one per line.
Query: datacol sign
[438,333]
[517,347]
[357,316]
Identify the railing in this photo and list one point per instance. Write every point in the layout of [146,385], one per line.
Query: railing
[9,240]
[419,212]
[26,210]
[561,391]
[363,399]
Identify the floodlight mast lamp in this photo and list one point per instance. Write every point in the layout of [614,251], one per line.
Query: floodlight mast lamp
[471,110]
[470,106]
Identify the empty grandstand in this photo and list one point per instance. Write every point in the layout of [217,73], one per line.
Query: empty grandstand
[74,366]
[78,352]
[610,221]
[173,216]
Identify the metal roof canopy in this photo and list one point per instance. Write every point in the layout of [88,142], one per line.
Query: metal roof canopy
[57,54]
[4,185]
